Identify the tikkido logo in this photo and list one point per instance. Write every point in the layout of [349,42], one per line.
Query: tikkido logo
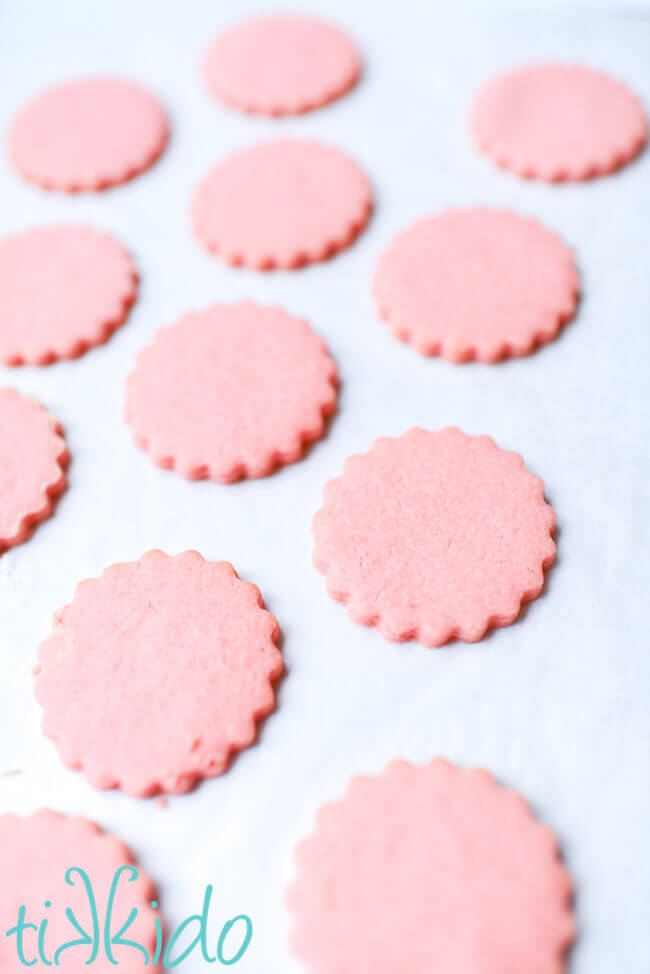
[98,938]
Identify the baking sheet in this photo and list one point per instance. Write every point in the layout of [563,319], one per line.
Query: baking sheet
[556,705]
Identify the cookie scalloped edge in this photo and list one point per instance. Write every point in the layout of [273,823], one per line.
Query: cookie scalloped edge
[104,329]
[301,106]
[395,629]
[399,767]
[119,851]
[105,180]
[176,784]
[312,429]
[280,109]
[461,353]
[50,491]
[505,159]
[319,252]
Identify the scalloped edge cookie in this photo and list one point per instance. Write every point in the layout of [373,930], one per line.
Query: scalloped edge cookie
[610,159]
[176,780]
[294,101]
[105,324]
[311,429]
[111,173]
[317,927]
[141,891]
[492,350]
[266,257]
[400,623]
[50,491]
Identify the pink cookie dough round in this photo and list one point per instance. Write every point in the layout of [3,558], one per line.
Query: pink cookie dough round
[63,290]
[37,852]
[281,205]
[558,122]
[282,65]
[88,135]
[252,387]
[426,869]
[33,458]
[157,673]
[476,284]
[434,536]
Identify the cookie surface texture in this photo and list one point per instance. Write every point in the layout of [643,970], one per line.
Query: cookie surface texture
[63,290]
[157,672]
[558,122]
[281,205]
[476,284]
[33,458]
[252,387]
[37,852]
[427,869]
[434,536]
[281,65]
[88,135]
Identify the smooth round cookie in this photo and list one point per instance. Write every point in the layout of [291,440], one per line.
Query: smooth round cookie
[252,387]
[37,852]
[157,672]
[33,458]
[282,65]
[63,290]
[476,284]
[88,135]
[558,122]
[434,536]
[426,869]
[281,205]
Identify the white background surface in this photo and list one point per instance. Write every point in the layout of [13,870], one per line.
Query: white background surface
[557,705]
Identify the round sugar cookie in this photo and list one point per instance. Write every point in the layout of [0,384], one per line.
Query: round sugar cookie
[281,205]
[426,869]
[63,290]
[434,536]
[282,65]
[157,673]
[37,852]
[252,386]
[88,135]
[558,122]
[476,284]
[33,458]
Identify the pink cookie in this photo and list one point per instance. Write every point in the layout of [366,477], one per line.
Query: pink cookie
[431,869]
[434,536]
[476,284]
[252,386]
[88,135]
[157,673]
[37,852]
[62,290]
[33,457]
[281,205]
[281,65]
[558,122]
